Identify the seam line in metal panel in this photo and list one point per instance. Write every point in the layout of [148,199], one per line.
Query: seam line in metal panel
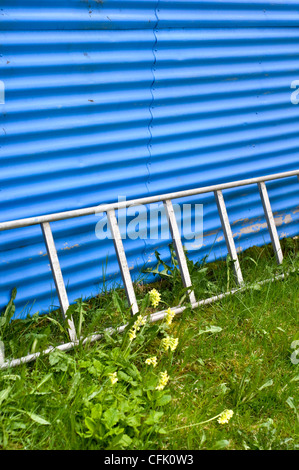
[149,143]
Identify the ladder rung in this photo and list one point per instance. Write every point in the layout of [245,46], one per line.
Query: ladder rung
[58,278]
[178,246]
[228,236]
[270,222]
[122,261]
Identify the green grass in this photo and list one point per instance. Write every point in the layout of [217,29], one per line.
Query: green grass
[233,354]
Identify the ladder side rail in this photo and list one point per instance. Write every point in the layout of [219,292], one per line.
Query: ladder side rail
[179,250]
[270,222]
[122,261]
[58,278]
[228,235]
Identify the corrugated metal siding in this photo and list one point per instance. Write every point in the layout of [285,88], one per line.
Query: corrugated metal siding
[114,98]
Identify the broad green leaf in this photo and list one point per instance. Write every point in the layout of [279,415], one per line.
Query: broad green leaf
[96,368]
[38,419]
[15,425]
[162,431]
[212,329]
[125,377]
[221,444]
[96,411]
[163,400]
[295,379]
[290,402]
[123,441]
[4,394]
[111,417]
[133,421]
[14,377]
[74,386]
[266,384]
[154,417]
[90,424]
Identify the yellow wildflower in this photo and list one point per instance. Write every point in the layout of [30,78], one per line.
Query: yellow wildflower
[151,360]
[139,322]
[155,297]
[132,335]
[136,327]
[113,378]
[164,377]
[169,316]
[225,416]
[170,342]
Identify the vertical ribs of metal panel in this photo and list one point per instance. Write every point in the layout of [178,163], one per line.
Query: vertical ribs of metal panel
[270,222]
[177,242]
[122,261]
[58,279]
[228,236]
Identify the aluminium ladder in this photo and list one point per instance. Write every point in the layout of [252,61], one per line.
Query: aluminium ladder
[109,209]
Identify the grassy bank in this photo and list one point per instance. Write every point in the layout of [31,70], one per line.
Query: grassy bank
[234,354]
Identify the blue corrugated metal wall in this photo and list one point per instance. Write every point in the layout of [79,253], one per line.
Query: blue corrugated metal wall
[130,98]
